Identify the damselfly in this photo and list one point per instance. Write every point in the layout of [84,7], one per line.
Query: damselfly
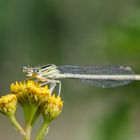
[101,76]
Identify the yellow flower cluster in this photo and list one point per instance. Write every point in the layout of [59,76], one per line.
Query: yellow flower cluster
[31,91]
[8,104]
[35,100]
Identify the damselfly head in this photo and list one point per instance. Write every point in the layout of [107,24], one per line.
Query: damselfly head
[41,73]
[30,71]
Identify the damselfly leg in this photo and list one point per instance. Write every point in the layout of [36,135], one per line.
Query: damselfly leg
[52,85]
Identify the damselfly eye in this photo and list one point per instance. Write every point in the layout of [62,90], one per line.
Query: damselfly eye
[36,70]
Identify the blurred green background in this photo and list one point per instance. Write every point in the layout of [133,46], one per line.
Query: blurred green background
[73,32]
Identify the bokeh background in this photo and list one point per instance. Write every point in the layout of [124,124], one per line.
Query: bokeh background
[81,32]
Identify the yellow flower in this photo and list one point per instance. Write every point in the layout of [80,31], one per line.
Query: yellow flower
[8,104]
[52,107]
[29,91]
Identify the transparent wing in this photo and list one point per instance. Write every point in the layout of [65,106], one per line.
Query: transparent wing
[99,70]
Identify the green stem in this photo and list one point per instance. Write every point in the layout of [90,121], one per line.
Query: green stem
[29,112]
[43,130]
[26,111]
[28,131]
[36,116]
[18,126]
